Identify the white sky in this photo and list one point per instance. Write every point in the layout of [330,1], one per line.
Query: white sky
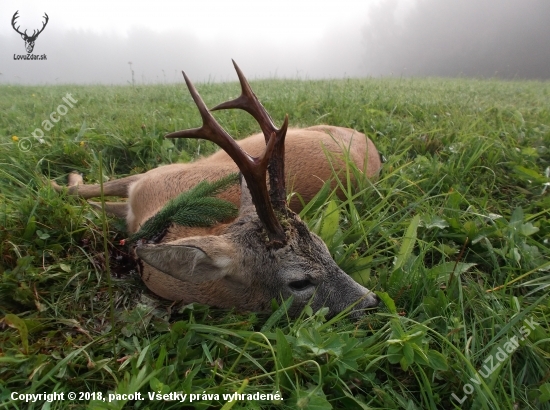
[93,41]
[276,22]
[285,38]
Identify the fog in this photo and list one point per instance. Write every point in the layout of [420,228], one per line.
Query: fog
[481,38]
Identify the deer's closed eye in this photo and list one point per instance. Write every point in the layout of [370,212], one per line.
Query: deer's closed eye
[299,285]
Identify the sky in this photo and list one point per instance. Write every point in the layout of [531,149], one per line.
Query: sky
[117,42]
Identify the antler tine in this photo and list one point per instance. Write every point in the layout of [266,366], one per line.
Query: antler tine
[249,102]
[211,130]
[45,23]
[252,168]
[15,17]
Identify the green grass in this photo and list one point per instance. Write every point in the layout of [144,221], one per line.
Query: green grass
[453,237]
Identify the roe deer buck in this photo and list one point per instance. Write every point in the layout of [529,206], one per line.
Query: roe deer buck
[267,252]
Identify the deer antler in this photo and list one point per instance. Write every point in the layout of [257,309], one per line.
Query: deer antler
[253,168]
[34,33]
[43,26]
[15,17]
[248,102]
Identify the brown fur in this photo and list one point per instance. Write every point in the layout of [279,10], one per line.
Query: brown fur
[307,168]
[306,163]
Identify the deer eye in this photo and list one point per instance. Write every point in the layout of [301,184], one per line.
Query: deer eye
[299,285]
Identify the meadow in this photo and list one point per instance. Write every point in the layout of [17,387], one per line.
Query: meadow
[453,237]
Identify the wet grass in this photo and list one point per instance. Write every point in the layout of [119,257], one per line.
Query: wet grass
[453,237]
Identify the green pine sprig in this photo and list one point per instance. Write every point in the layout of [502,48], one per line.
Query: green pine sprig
[196,207]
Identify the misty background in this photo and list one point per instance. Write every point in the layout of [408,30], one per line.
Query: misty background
[103,41]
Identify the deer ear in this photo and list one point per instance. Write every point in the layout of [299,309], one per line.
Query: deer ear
[195,260]
[247,206]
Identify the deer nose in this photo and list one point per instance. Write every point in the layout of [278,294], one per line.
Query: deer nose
[372,300]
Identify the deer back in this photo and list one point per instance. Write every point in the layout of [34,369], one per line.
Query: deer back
[310,157]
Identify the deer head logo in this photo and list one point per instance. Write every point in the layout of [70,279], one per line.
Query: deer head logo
[29,40]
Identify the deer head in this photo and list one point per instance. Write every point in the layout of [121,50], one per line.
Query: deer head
[267,252]
[29,40]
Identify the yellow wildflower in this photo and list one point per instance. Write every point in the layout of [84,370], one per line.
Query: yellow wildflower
[15,138]
[82,143]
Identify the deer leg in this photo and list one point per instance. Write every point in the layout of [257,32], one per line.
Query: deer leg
[118,209]
[118,187]
[75,179]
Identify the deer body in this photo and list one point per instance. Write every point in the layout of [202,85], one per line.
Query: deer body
[309,157]
[267,252]
[307,168]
